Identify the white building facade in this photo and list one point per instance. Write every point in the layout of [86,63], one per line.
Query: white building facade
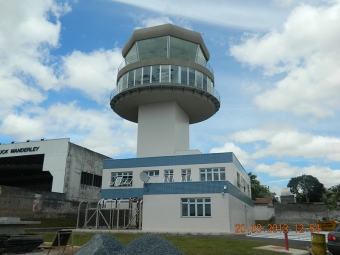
[202,193]
[52,166]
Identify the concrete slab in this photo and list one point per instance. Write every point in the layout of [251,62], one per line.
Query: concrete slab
[44,252]
[275,248]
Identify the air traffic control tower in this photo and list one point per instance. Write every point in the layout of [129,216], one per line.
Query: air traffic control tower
[164,84]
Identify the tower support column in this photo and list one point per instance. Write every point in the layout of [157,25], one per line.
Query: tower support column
[163,129]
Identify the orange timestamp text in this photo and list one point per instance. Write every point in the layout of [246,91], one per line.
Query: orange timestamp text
[275,228]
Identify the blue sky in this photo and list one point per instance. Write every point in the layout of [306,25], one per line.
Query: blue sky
[276,65]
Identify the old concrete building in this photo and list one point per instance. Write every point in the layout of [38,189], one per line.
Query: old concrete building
[57,166]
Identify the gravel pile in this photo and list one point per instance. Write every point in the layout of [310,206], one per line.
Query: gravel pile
[103,244]
[151,245]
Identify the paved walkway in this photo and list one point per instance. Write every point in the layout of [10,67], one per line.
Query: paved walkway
[292,235]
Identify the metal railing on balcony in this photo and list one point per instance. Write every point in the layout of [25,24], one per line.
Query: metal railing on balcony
[165,54]
[205,87]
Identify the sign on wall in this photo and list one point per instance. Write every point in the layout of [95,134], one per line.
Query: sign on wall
[19,150]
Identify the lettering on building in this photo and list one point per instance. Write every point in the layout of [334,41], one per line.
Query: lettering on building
[3,151]
[27,149]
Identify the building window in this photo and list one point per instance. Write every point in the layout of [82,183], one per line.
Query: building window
[186,175]
[238,180]
[152,173]
[86,178]
[97,181]
[243,184]
[196,207]
[168,175]
[119,179]
[165,73]
[212,174]
[91,179]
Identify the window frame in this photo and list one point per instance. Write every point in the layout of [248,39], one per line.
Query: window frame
[185,174]
[168,175]
[90,179]
[188,204]
[152,173]
[124,178]
[210,174]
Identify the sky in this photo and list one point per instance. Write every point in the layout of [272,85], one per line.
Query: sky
[276,65]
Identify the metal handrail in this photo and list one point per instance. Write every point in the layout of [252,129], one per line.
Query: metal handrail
[209,89]
[165,54]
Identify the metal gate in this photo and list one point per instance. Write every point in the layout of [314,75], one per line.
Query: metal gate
[110,214]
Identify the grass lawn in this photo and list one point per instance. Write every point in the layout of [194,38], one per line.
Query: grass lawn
[189,245]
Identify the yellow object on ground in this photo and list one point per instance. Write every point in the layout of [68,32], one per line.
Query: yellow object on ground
[319,244]
[328,225]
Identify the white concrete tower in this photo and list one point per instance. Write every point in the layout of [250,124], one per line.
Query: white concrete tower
[164,84]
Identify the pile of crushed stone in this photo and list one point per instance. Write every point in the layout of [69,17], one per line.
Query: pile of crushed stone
[103,244]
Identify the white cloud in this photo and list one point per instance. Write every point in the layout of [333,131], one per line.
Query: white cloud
[22,127]
[26,36]
[241,155]
[234,13]
[100,130]
[28,31]
[93,73]
[150,22]
[324,174]
[296,144]
[282,140]
[263,134]
[15,93]
[307,53]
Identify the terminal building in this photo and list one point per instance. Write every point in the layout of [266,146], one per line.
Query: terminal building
[165,84]
[56,166]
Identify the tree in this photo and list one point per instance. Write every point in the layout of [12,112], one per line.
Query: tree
[332,197]
[307,188]
[257,189]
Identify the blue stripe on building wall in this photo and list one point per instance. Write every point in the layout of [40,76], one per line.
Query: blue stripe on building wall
[194,159]
[178,188]
[122,193]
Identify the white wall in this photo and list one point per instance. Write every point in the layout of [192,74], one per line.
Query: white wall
[263,212]
[163,128]
[162,213]
[240,213]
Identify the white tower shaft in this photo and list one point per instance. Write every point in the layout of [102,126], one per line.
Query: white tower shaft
[163,129]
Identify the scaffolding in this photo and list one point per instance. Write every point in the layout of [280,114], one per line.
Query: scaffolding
[110,214]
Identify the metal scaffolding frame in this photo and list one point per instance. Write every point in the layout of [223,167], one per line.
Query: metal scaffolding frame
[110,214]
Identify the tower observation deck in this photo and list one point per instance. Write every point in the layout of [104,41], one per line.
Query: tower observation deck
[164,84]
